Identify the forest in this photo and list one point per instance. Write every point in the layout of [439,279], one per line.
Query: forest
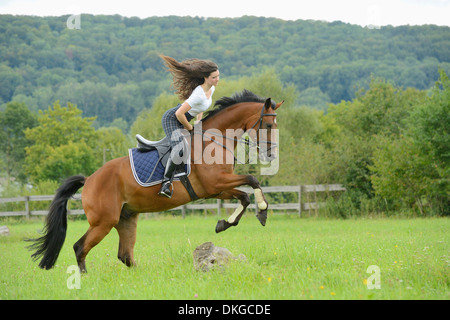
[368,108]
[110,67]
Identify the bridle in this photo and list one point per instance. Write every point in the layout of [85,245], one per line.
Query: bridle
[260,120]
[246,141]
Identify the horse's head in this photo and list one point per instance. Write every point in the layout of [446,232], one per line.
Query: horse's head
[247,112]
[264,131]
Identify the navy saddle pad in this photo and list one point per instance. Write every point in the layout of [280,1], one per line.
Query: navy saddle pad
[148,169]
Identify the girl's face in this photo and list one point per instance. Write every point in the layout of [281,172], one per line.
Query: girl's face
[213,78]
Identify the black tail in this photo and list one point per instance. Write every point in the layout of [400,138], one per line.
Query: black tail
[50,244]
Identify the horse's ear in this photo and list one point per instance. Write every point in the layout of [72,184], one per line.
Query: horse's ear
[268,103]
[278,105]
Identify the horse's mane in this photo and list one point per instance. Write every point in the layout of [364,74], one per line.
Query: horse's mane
[238,97]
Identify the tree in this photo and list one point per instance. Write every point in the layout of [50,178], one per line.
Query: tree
[430,122]
[13,121]
[399,173]
[415,166]
[314,98]
[148,123]
[101,66]
[64,144]
[352,129]
[112,144]
[10,80]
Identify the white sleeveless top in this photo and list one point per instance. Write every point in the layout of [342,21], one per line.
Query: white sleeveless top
[198,101]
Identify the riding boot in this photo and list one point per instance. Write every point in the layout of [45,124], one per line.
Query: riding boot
[168,178]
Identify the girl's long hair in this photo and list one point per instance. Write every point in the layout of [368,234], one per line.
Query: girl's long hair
[188,74]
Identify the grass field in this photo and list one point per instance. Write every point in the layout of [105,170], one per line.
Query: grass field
[290,258]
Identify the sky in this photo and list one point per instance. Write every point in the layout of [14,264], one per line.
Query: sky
[360,12]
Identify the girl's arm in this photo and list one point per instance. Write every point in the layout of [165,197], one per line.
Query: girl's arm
[199,116]
[185,107]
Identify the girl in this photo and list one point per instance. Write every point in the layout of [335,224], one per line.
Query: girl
[195,81]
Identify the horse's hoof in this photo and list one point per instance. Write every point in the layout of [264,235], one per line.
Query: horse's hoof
[222,225]
[262,217]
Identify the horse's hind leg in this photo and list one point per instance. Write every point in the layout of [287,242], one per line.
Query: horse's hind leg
[90,239]
[127,237]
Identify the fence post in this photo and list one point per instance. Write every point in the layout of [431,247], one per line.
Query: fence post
[27,207]
[219,206]
[299,200]
[183,211]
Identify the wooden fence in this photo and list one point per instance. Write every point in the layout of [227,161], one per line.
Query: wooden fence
[306,195]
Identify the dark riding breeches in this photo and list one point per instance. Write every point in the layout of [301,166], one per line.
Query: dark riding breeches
[174,132]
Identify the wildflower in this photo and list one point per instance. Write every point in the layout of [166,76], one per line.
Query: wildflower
[196,295]
[321,287]
[365,282]
[269,279]
[332,293]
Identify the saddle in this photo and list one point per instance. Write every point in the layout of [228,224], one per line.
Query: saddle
[145,144]
[162,146]
[148,161]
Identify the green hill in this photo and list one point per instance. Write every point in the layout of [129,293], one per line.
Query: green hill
[110,67]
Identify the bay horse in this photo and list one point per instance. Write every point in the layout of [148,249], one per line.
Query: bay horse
[111,197]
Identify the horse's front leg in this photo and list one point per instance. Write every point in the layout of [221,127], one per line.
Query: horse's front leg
[262,206]
[228,181]
[233,220]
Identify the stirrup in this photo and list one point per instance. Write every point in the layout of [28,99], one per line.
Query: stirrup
[165,189]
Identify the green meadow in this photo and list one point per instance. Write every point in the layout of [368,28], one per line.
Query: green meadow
[290,258]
